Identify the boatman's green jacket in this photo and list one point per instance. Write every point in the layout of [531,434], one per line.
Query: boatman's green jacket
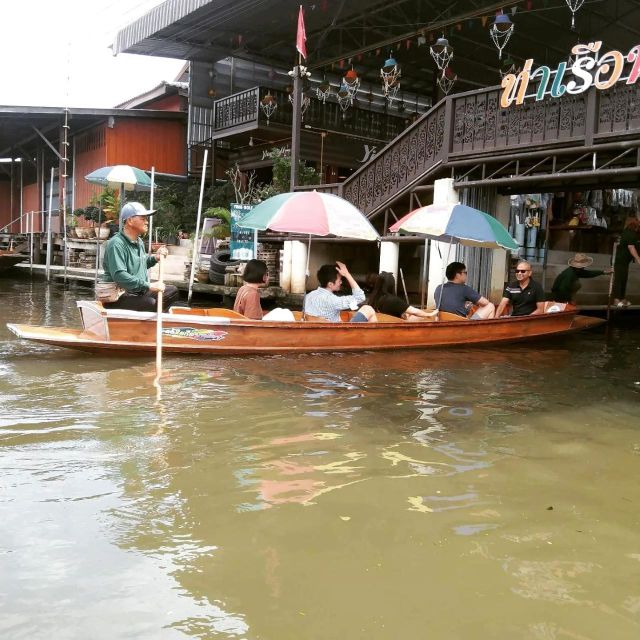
[126,264]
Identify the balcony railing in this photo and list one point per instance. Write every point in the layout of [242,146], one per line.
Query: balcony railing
[240,110]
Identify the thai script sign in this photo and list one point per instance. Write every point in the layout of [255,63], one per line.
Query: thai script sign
[588,69]
[242,244]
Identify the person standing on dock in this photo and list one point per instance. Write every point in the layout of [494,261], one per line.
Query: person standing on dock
[628,251]
[525,295]
[126,263]
[567,284]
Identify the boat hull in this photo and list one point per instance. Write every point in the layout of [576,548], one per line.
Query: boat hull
[130,334]
[9,259]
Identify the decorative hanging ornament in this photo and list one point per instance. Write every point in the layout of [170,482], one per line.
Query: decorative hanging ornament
[390,74]
[509,66]
[305,101]
[268,105]
[574,6]
[447,80]
[323,90]
[441,52]
[501,31]
[345,99]
[352,82]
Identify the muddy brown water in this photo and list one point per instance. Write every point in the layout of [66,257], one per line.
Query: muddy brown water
[472,494]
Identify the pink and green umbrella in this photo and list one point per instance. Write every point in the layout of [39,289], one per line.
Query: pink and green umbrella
[310,213]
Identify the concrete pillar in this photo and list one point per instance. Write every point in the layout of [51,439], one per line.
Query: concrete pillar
[298,266]
[389,255]
[499,267]
[285,267]
[441,252]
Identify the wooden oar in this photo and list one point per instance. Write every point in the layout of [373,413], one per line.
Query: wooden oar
[159,320]
[610,298]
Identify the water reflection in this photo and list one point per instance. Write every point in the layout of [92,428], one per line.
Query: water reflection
[358,495]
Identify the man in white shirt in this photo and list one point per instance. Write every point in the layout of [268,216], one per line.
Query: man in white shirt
[324,303]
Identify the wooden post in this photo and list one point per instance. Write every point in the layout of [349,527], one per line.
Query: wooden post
[295,127]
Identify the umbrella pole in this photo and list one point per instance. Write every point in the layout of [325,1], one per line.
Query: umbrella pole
[425,271]
[123,197]
[306,278]
[153,183]
[196,251]
[442,277]
[404,286]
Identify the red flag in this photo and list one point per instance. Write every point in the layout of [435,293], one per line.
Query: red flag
[301,36]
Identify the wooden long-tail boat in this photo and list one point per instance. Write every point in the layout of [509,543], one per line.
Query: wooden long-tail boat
[223,332]
[10,258]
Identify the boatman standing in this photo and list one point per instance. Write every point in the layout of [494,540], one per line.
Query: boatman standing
[125,283]
[525,295]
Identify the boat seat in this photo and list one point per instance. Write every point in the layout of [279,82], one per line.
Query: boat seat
[214,311]
[445,316]
[558,306]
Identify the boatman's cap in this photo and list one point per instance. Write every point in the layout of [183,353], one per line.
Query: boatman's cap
[132,209]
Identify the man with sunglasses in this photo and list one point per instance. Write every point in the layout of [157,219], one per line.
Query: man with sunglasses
[525,295]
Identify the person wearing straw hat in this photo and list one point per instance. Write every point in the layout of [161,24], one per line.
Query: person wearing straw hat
[125,283]
[567,284]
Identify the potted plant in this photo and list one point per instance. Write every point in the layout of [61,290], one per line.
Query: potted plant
[169,233]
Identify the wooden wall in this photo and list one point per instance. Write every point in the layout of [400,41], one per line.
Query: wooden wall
[31,202]
[90,154]
[148,143]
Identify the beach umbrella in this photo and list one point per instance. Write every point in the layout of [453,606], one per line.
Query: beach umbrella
[457,223]
[454,223]
[310,213]
[120,175]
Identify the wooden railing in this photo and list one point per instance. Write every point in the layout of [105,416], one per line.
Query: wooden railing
[474,124]
[241,109]
[236,110]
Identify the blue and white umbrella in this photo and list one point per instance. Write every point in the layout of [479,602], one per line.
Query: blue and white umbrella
[457,223]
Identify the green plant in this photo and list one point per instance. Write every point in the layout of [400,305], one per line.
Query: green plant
[221,231]
[218,212]
[109,201]
[282,174]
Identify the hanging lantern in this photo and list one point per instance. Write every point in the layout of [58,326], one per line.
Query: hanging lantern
[509,66]
[351,82]
[323,90]
[390,74]
[501,31]
[574,7]
[305,101]
[441,52]
[268,105]
[345,99]
[447,80]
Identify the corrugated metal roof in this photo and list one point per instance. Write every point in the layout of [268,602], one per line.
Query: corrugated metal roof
[157,19]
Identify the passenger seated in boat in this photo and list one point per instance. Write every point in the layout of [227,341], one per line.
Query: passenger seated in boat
[247,302]
[125,283]
[525,295]
[455,295]
[384,300]
[324,303]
